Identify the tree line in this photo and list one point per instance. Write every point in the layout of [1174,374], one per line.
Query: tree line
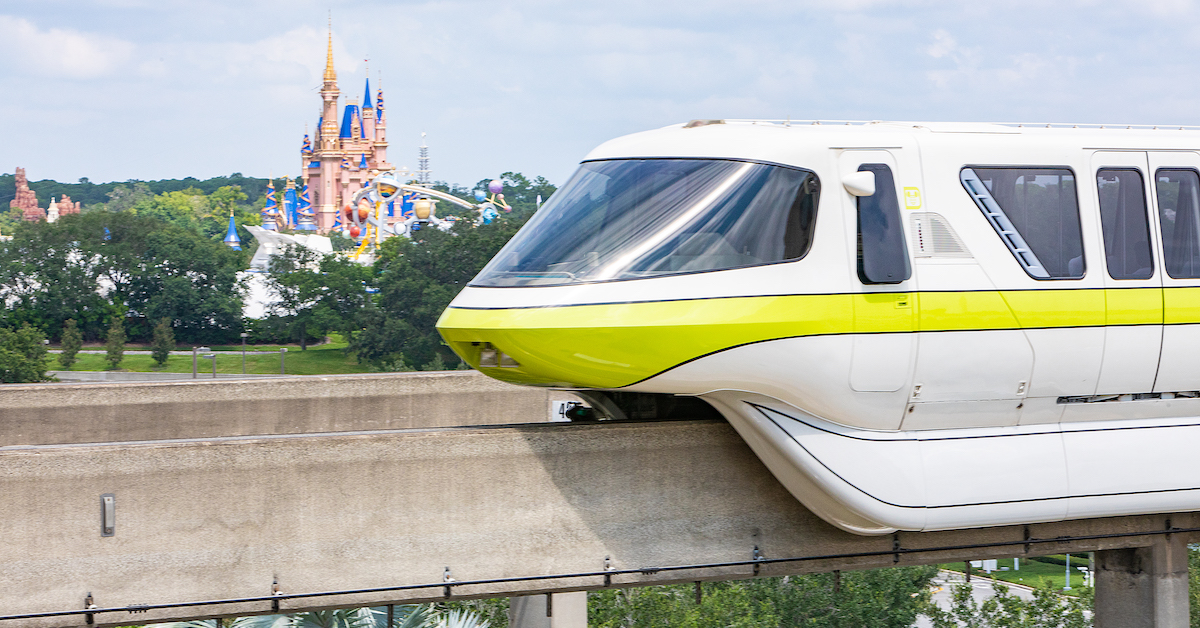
[142,258]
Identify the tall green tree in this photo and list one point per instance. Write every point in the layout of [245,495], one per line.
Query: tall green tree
[164,342]
[317,294]
[22,355]
[71,342]
[417,279]
[114,343]
[92,267]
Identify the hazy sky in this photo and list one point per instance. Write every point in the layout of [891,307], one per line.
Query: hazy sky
[120,89]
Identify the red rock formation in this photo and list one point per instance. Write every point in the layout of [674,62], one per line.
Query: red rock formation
[26,199]
[65,206]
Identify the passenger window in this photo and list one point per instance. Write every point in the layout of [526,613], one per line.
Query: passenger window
[882,251]
[1126,225]
[1036,213]
[1179,217]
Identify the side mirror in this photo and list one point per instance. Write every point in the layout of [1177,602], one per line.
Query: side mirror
[860,183]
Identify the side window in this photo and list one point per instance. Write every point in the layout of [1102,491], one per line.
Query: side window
[1035,211]
[1126,225]
[882,251]
[1179,215]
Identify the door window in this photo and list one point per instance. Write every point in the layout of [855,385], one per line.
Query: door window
[1126,225]
[1179,214]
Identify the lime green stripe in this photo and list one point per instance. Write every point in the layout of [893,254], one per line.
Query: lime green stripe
[946,311]
[1181,305]
[1057,308]
[1134,306]
[613,345]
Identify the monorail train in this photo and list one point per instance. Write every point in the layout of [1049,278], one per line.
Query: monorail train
[916,326]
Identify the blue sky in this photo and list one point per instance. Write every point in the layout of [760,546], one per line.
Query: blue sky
[120,89]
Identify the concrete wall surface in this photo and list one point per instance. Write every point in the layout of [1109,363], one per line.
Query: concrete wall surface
[134,376]
[219,518]
[44,414]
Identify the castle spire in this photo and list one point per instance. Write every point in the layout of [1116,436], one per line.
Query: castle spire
[330,73]
[231,237]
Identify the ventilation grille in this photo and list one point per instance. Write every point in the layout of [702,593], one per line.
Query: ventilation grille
[935,238]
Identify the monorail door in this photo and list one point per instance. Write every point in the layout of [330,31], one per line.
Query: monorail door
[884,345]
[1132,279]
[1176,212]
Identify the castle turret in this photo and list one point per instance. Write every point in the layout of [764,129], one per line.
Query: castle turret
[329,96]
[368,114]
[231,237]
[380,131]
[328,145]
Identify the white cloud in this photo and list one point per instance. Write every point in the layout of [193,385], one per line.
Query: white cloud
[60,53]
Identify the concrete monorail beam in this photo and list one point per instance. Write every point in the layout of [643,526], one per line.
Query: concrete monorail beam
[51,414]
[510,510]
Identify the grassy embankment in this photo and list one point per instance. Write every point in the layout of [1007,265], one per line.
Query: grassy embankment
[325,359]
[1032,572]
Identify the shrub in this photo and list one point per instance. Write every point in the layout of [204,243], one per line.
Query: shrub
[22,355]
[72,341]
[164,342]
[115,343]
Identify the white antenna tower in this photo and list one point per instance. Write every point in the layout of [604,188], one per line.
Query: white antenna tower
[423,163]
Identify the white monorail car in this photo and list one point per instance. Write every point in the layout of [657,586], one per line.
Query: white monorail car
[915,326]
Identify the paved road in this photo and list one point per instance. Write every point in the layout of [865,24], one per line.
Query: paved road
[982,589]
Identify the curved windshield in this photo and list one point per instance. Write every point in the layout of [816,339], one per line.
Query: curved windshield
[636,218]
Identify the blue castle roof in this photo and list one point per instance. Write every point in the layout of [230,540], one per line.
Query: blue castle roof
[367,95]
[352,117]
[231,236]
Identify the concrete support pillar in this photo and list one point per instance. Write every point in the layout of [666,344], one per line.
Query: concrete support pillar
[558,610]
[1144,587]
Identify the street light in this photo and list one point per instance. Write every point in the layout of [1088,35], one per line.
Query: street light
[1068,587]
[244,334]
[282,354]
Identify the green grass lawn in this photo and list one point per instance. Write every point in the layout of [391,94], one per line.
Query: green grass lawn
[326,359]
[1032,573]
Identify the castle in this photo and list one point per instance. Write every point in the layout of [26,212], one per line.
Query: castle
[26,201]
[343,156]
